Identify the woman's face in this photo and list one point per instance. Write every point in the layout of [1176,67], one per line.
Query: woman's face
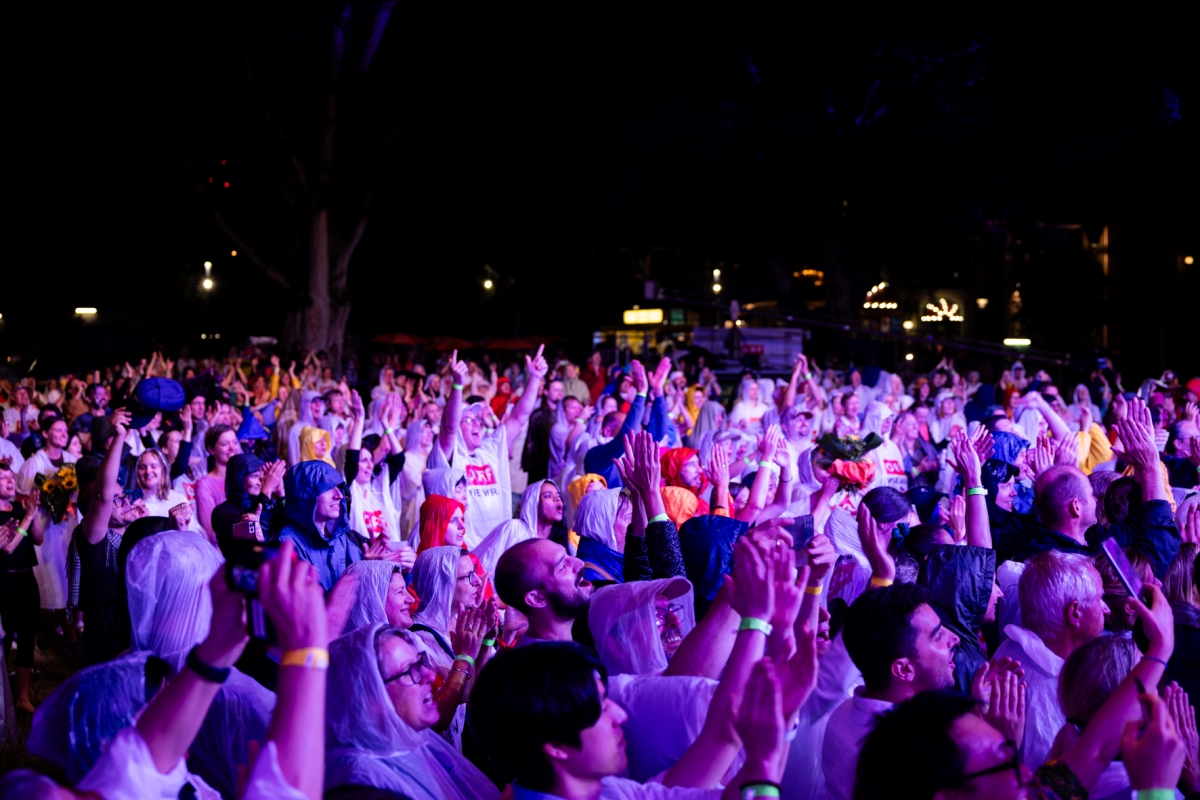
[948,407]
[923,391]
[321,447]
[366,466]
[253,483]
[698,398]
[594,486]
[58,434]
[227,448]
[885,428]
[426,436]
[468,588]
[397,606]
[283,394]
[550,507]
[624,517]
[1005,493]
[690,473]
[609,406]
[456,529]
[75,446]
[460,491]
[413,703]
[149,473]
[850,404]
[752,393]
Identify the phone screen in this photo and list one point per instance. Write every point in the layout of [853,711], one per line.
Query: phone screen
[1125,570]
[802,531]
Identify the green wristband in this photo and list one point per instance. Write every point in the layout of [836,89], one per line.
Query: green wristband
[466,658]
[22,531]
[457,386]
[977,490]
[1155,794]
[752,790]
[658,518]
[755,624]
[489,642]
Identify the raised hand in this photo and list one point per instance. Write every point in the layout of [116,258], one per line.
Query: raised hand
[1042,456]
[294,601]
[958,517]
[964,458]
[821,558]
[772,440]
[473,625]
[760,720]
[272,482]
[660,375]
[1154,756]
[1067,452]
[718,466]
[120,420]
[1137,434]
[1190,531]
[751,587]
[181,516]
[638,373]
[537,366]
[1184,717]
[357,411]
[1191,412]
[227,635]
[874,544]
[1005,709]
[458,369]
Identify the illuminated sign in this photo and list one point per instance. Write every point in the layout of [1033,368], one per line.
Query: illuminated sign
[644,316]
[942,311]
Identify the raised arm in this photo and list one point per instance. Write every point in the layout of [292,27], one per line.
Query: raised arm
[357,418]
[759,490]
[106,488]
[965,461]
[874,545]
[454,407]
[1137,435]
[536,368]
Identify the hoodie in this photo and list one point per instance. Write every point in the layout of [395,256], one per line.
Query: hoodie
[595,519]
[329,556]
[238,501]
[306,420]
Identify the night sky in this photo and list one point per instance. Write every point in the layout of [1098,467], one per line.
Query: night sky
[561,144]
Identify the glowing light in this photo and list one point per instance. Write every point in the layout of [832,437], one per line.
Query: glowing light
[487,284]
[643,316]
[233,253]
[226,184]
[908,356]
[85,311]
[716,288]
[207,284]
[944,311]
[1189,260]
[222,162]
[216,336]
[716,274]
[204,336]
[908,324]
[981,302]
[1017,342]
[208,265]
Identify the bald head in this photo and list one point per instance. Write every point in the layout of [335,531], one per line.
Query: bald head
[1064,498]
[517,572]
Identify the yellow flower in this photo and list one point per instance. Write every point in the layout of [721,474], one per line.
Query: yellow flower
[69,483]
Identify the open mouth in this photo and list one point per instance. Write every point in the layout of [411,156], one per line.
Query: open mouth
[672,638]
[582,581]
[427,699]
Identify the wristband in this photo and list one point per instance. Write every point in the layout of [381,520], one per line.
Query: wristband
[770,466]
[203,671]
[389,431]
[457,386]
[463,671]
[758,789]
[489,642]
[878,583]
[307,657]
[814,590]
[658,518]
[1155,794]
[755,624]
[22,531]
[466,658]
[641,394]
[977,490]
[1156,659]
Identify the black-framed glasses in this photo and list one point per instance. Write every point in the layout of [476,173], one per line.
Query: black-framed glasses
[415,673]
[128,498]
[660,614]
[472,578]
[1013,764]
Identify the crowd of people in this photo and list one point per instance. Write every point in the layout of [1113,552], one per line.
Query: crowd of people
[443,579]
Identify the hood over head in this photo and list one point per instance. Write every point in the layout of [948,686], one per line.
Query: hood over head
[622,620]
[531,499]
[306,407]
[237,470]
[877,414]
[374,579]
[707,545]
[167,577]
[434,576]
[596,516]
[303,484]
[441,480]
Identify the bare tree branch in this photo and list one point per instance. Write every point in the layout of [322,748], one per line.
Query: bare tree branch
[381,21]
[269,269]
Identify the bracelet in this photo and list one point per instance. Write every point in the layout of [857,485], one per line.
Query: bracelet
[204,671]
[755,624]
[814,590]
[22,531]
[466,658]
[759,789]
[879,583]
[389,431]
[1157,659]
[307,657]
[1155,794]
[463,671]
[977,490]
[489,642]
[658,518]
[457,386]
[769,466]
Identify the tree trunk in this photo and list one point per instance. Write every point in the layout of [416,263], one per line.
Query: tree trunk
[318,322]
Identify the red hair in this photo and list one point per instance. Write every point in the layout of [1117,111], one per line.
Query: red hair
[436,512]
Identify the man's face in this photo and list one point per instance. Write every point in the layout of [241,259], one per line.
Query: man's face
[690,473]
[614,425]
[126,509]
[855,379]
[554,392]
[993,600]
[551,504]
[1187,431]
[986,748]
[337,404]
[572,408]
[601,750]
[571,371]
[934,662]
[100,397]
[432,413]
[8,484]
[317,409]
[471,427]
[560,577]
[666,618]
[922,414]
[21,397]
[1093,608]
[850,404]
[197,406]
[328,506]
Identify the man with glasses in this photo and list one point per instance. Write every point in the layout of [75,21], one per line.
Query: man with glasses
[484,457]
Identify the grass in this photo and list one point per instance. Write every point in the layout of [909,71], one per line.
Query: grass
[59,665]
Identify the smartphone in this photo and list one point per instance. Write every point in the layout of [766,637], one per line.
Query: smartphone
[247,529]
[802,532]
[1125,571]
[243,557]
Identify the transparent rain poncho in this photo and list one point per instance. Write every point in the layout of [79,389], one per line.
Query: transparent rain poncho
[368,743]
[374,579]
[170,610]
[666,713]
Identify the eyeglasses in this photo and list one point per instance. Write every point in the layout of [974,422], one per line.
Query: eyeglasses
[473,420]
[660,614]
[472,578]
[1013,763]
[128,498]
[415,674]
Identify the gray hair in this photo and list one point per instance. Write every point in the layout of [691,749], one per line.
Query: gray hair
[1051,581]
[386,632]
[1089,677]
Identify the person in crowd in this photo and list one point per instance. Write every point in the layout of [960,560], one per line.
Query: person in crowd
[889,461]
[535,459]
[615,427]
[253,490]
[602,521]
[461,444]
[569,425]
[316,445]
[153,478]
[22,530]
[222,445]
[374,490]
[418,444]
[317,523]
[310,410]
[920,456]
[382,596]
[748,411]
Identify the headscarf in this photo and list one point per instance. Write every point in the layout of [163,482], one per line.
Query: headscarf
[441,481]
[374,582]
[596,516]
[679,503]
[576,489]
[434,576]
[622,621]
[308,444]
[690,404]
[367,742]
[707,545]
[436,512]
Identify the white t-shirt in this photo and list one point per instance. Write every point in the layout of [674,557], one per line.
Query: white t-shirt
[844,734]
[489,486]
[370,517]
[889,466]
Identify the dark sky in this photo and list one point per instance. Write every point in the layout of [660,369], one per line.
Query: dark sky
[559,144]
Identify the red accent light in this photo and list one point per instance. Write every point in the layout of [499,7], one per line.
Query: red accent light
[226,184]
[222,162]
[210,180]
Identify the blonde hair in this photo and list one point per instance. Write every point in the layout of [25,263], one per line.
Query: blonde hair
[164,482]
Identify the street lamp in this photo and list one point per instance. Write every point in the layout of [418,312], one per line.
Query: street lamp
[85,311]
[207,284]
[716,288]
[487,284]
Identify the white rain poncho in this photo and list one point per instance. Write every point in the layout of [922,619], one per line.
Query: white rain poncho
[666,713]
[511,531]
[596,517]
[374,580]
[434,578]
[170,611]
[367,743]
[442,480]
[889,462]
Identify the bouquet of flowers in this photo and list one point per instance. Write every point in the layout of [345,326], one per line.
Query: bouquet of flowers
[59,491]
[845,456]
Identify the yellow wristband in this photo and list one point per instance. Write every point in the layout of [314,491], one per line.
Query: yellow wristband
[814,590]
[877,583]
[308,657]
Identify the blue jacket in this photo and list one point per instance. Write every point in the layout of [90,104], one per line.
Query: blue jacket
[594,553]
[330,556]
[600,458]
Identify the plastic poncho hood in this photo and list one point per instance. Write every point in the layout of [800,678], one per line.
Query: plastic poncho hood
[622,621]
[170,606]
[707,545]
[367,742]
[374,583]
[875,418]
[1008,446]
[441,480]
[434,579]
[303,484]
[597,515]
[240,467]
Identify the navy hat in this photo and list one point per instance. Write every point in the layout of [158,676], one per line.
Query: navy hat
[153,395]
[925,500]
